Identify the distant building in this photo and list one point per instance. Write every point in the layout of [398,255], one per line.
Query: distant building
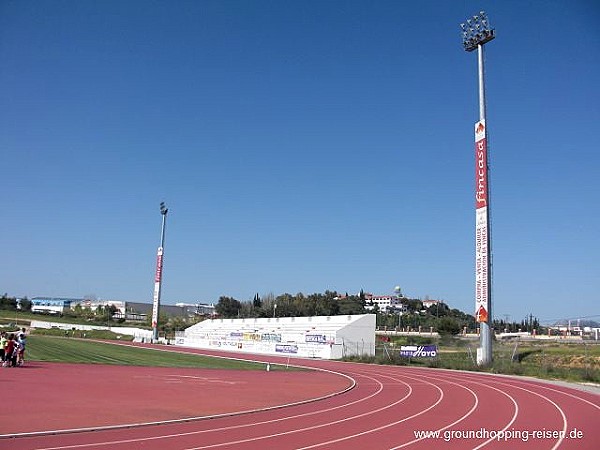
[186,310]
[198,309]
[95,304]
[429,303]
[124,310]
[51,305]
[385,303]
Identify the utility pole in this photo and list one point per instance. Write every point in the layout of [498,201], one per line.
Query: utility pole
[476,32]
[158,275]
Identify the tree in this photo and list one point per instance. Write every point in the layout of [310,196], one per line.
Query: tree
[228,307]
[87,313]
[441,310]
[387,320]
[162,320]
[7,302]
[268,302]
[448,325]
[284,306]
[301,305]
[257,302]
[102,313]
[351,305]
[25,304]
[412,305]
[247,309]
[173,324]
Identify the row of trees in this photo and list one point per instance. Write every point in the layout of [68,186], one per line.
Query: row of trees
[14,304]
[528,324]
[330,303]
[101,314]
[287,305]
[415,316]
[440,317]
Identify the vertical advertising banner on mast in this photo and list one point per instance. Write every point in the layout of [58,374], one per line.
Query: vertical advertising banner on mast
[157,280]
[481,224]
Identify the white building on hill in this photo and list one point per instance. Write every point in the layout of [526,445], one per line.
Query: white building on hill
[385,303]
[327,337]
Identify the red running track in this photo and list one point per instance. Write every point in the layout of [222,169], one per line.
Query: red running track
[386,409]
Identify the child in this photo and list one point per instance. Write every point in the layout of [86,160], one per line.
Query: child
[9,350]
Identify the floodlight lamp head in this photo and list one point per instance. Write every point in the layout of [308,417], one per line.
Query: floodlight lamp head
[163,209]
[476,32]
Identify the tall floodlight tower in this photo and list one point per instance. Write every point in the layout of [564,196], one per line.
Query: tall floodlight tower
[476,32]
[158,276]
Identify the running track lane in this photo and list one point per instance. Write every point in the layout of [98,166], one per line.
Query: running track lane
[385,410]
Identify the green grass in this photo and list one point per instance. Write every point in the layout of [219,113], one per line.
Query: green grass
[70,350]
[111,334]
[24,318]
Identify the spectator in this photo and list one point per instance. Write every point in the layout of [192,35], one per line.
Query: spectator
[3,342]
[10,357]
[21,341]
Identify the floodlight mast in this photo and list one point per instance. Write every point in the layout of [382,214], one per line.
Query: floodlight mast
[158,276]
[476,32]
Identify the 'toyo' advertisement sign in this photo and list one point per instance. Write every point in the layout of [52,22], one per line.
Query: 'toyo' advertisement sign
[416,351]
[481,224]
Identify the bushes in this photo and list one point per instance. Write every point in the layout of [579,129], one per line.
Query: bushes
[448,326]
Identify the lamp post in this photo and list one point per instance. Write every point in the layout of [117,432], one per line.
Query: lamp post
[476,32]
[158,276]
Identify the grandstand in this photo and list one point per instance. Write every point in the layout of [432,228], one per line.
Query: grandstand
[327,337]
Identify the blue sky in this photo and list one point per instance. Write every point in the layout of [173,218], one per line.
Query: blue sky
[300,146]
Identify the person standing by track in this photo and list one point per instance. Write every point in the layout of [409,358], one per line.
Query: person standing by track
[3,342]
[21,341]
[10,358]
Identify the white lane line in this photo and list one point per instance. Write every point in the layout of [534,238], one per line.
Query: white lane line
[560,410]
[322,425]
[469,379]
[440,398]
[498,381]
[554,389]
[190,419]
[227,428]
